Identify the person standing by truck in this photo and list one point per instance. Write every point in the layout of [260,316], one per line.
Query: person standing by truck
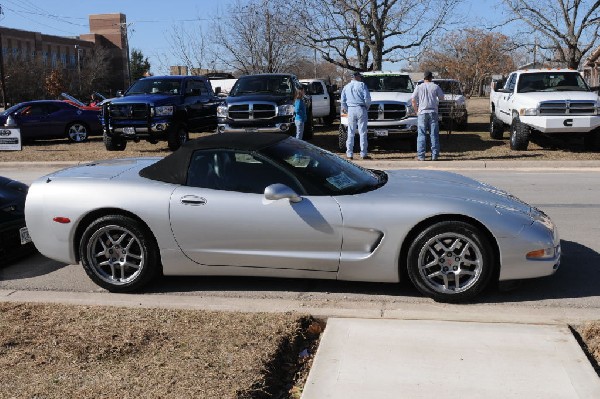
[356,100]
[299,112]
[425,101]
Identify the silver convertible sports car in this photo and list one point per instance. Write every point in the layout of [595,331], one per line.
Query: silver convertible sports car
[253,204]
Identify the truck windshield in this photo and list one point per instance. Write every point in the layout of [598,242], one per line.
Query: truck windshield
[551,81]
[398,83]
[155,86]
[449,86]
[278,85]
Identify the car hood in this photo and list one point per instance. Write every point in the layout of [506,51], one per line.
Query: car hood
[279,100]
[153,99]
[435,185]
[107,169]
[383,96]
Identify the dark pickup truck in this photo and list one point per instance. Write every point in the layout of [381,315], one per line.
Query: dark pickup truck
[160,108]
[263,103]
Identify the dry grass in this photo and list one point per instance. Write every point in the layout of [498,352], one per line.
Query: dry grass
[59,351]
[473,144]
[589,335]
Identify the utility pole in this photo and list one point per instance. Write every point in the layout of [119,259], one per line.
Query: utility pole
[79,50]
[125,27]
[2,78]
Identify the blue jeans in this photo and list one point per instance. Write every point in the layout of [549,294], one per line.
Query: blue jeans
[428,123]
[299,129]
[357,117]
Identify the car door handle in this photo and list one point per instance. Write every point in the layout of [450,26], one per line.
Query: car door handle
[325,98]
[193,200]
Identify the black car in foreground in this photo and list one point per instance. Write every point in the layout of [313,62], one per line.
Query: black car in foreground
[14,236]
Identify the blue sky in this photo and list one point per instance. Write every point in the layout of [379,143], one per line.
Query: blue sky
[151,21]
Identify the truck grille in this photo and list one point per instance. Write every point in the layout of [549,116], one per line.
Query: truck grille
[252,111]
[568,108]
[387,111]
[447,107]
[128,111]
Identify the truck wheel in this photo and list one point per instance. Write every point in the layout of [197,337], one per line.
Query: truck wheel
[591,140]
[177,137]
[496,128]
[342,137]
[519,135]
[114,143]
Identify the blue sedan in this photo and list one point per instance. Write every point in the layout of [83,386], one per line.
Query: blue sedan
[44,119]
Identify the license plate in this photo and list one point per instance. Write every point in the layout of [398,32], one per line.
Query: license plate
[380,133]
[128,130]
[25,238]
[251,130]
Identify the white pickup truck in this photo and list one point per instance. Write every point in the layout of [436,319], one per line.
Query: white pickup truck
[323,99]
[391,113]
[549,101]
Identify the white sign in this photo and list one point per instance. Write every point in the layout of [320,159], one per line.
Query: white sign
[10,139]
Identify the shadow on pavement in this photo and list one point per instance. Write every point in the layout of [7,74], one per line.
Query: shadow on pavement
[29,267]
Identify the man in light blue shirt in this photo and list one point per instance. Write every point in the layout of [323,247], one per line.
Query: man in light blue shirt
[356,100]
[425,100]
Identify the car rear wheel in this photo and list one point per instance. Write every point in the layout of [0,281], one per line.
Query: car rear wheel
[77,132]
[119,253]
[113,143]
[451,261]
[177,137]
[342,137]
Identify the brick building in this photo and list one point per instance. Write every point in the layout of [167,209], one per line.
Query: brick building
[106,30]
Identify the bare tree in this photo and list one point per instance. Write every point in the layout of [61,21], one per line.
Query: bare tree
[256,38]
[362,34]
[470,56]
[569,28]
[192,47]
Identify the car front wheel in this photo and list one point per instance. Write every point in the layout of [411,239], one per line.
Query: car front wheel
[77,132]
[119,253]
[451,261]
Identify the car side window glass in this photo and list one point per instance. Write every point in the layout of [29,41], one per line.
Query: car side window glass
[236,171]
[196,88]
[34,110]
[317,88]
[52,108]
[510,84]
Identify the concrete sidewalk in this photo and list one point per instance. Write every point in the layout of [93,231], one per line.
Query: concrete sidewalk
[380,359]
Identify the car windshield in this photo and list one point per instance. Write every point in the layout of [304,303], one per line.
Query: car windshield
[449,86]
[155,86]
[321,171]
[398,83]
[278,85]
[551,81]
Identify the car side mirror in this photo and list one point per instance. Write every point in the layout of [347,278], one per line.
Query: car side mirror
[278,191]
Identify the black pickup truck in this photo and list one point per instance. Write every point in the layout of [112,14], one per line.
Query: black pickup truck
[263,103]
[160,108]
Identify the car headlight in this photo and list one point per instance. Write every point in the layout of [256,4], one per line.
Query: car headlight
[163,110]
[528,111]
[286,109]
[222,111]
[410,111]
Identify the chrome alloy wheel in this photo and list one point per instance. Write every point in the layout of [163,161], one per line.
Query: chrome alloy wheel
[77,133]
[450,263]
[115,255]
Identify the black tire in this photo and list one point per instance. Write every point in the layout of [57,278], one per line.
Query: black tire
[591,140]
[328,120]
[177,136]
[342,137]
[114,143]
[496,127]
[519,135]
[119,253]
[445,250]
[77,132]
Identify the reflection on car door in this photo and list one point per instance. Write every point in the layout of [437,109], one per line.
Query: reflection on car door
[219,228]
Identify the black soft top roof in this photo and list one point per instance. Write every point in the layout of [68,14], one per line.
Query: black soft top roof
[174,168]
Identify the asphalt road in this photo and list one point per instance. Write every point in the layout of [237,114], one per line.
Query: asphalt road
[571,196]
